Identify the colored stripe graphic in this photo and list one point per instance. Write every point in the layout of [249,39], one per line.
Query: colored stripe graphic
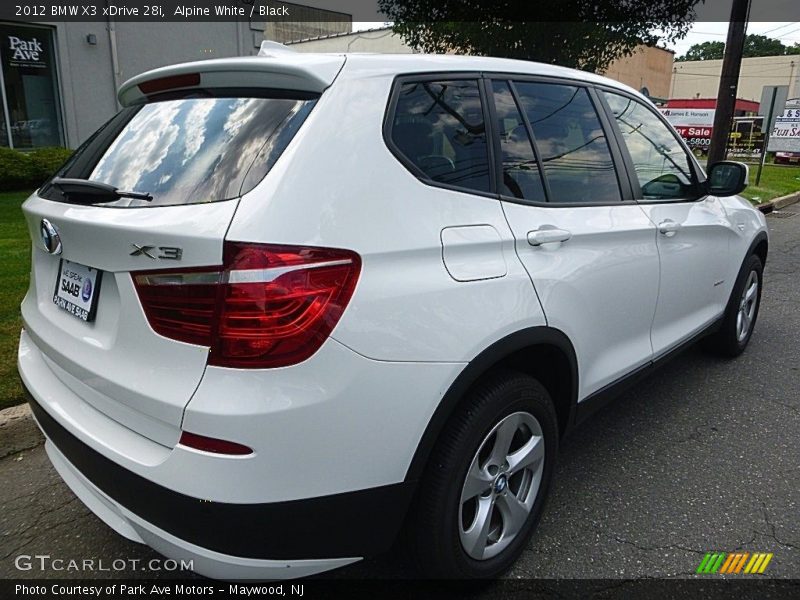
[758,563]
[756,558]
[764,564]
[704,563]
[740,564]
[728,563]
[711,562]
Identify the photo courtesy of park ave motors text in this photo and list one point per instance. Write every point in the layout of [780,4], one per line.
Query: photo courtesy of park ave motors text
[399,294]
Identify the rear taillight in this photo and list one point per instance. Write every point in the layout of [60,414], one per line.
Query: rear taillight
[267,306]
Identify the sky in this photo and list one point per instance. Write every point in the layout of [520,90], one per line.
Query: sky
[788,32]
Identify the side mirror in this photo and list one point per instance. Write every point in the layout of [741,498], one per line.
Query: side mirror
[727,178]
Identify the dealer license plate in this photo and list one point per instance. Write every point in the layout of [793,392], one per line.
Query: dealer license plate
[77,289]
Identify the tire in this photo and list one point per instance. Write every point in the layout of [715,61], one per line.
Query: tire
[442,527]
[731,339]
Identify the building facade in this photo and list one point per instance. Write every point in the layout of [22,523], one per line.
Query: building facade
[307,22]
[381,40]
[648,69]
[700,78]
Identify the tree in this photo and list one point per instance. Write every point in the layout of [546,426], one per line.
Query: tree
[754,45]
[704,51]
[793,49]
[761,45]
[573,33]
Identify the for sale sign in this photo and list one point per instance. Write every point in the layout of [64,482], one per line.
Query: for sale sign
[785,135]
[694,125]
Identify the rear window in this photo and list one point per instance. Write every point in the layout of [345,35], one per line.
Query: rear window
[188,150]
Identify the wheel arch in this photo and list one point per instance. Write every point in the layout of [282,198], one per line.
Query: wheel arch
[759,246]
[543,352]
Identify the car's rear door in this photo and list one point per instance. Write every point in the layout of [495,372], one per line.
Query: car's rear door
[588,248]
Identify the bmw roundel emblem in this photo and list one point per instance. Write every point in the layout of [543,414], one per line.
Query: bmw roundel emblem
[51,241]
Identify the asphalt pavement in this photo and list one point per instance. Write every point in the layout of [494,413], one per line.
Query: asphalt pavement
[703,456]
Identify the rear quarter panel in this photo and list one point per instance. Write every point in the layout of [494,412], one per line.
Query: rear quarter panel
[338,185]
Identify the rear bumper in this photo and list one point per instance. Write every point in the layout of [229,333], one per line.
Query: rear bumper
[228,541]
[304,500]
[206,562]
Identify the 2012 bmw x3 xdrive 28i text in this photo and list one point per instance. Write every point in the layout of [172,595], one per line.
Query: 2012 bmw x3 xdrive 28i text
[283,308]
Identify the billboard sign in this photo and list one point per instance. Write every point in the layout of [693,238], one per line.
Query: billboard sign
[695,125]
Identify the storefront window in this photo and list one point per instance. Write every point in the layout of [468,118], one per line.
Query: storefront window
[30,116]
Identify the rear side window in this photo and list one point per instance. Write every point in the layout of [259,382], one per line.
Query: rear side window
[572,145]
[438,126]
[188,150]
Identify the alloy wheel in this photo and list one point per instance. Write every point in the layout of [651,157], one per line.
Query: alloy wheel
[501,485]
[747,307]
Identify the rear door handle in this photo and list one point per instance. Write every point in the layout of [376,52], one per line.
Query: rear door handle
[546,235]
[668,227]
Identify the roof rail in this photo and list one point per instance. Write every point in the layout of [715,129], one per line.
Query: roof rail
[274,49]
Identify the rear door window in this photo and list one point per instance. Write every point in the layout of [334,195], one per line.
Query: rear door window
[189,150]
[438,127]
[520,177]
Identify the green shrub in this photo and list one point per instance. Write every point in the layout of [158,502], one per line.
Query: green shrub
[17,170]
[28,170]
[48,160]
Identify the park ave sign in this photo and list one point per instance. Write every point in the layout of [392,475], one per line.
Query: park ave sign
[25,52]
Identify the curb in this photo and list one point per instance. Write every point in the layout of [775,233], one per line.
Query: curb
[18,430]
[779,203]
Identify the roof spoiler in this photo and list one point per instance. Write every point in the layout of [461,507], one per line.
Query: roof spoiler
[276,67]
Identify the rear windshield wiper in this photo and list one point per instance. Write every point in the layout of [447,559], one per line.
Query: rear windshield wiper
[85,191]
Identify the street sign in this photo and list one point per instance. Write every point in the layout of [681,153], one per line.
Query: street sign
[773,99]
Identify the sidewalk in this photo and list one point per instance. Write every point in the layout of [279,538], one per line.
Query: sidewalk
[779,203]
[18,430]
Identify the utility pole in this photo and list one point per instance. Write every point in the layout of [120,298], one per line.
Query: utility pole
[729,81]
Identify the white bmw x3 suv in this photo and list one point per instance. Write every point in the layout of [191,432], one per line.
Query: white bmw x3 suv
[284,308]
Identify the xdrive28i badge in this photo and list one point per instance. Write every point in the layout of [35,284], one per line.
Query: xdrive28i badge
[51,241]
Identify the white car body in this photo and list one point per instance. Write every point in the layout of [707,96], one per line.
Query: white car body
[448,283]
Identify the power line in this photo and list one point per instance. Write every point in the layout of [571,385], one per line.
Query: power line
[787,33]
[774,75]
[770,72]
[764,33]
[781,27]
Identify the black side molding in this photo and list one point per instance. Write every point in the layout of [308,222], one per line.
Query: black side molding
[606,394]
